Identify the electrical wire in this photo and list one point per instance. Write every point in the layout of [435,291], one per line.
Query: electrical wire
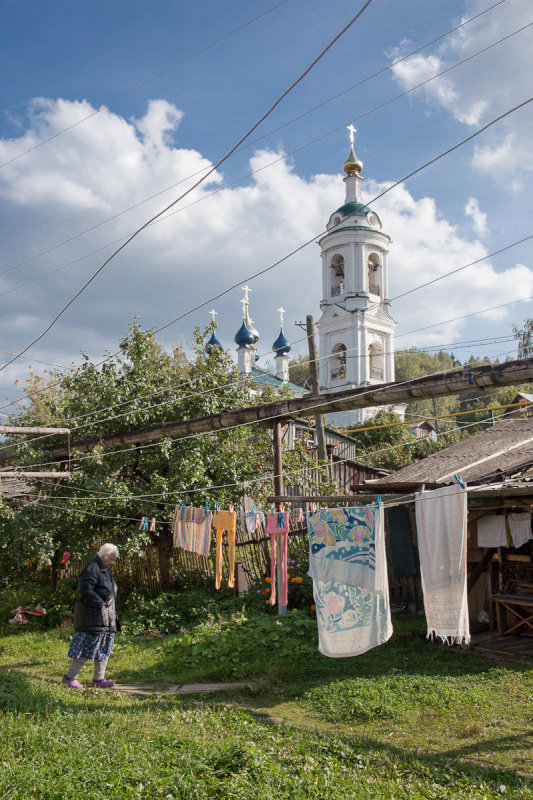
[139,448]
[241,484]
[239,381]
[277,160]
[196,184]
[270,133]
[147,83]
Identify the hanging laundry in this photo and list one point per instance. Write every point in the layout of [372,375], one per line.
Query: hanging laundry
[251,517]
[273,564]
[278,522]
[348,564]
[192,529]
[441,518]
[520,528]
[225,521]
[491,531]
[297,515]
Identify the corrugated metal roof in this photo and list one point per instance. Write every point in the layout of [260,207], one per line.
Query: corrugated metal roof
[503,448]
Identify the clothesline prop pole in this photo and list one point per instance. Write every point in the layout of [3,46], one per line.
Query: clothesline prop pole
[278,490]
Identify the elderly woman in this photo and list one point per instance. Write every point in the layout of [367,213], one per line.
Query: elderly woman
[95,620]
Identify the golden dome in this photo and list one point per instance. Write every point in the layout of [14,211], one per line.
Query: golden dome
[352,165]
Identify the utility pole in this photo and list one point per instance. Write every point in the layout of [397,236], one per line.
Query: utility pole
[278,490]
[313,365]
[436,419]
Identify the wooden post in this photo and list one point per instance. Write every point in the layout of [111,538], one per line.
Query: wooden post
[278,490]
[313,365]
[437,431]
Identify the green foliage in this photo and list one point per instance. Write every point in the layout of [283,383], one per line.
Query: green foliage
[394,446]
[299,371]
[524,335]
[144,385]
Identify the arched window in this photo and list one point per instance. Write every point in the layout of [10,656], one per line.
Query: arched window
[376,362]
[337,275]
[374,274]
[338,362]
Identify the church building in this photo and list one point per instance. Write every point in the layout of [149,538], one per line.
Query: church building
[356,330]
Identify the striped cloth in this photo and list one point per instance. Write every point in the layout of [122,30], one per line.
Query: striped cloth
[192,529]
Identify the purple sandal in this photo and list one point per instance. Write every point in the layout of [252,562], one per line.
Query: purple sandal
[72,683]
[103,684]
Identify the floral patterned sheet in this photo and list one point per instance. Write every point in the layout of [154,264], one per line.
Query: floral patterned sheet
[342,544]
[348,565]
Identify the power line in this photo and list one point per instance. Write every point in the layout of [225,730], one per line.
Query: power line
[279,128]
[198,182]
[242,484]
[147,83]
[249,174]
[139,448]
[241,380]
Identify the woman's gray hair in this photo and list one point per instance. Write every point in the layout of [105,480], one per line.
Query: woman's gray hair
[108,549]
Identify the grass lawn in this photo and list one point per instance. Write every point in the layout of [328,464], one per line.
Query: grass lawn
[411,719]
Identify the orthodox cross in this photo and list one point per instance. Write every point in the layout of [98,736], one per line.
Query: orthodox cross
[213,314]
[246,290]
[281,313]
[353,131]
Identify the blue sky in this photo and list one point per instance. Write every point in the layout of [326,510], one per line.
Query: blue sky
[63,61]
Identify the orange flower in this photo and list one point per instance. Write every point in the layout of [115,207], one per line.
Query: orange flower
[313,607]
[294,580]
[267,580]
[298,580]
[266,591]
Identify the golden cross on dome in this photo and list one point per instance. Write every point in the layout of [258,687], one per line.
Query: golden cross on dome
[281,313]
[246,290]
[213,314]
[353,131]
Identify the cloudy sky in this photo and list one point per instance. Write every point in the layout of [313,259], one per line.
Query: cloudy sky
[207,71]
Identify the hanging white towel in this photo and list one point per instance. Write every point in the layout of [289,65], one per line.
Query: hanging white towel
[441,517]
[348,564]
[491,531]
[520,527]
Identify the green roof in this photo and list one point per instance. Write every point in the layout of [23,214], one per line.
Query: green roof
[268,379]
[353,208]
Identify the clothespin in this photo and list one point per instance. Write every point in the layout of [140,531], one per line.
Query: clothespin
[378,499]
[282,506]
[144,524]
[280,523]
[207,506]
[141,524]
[217,506]
[152,525]
[460,481]
[230,508]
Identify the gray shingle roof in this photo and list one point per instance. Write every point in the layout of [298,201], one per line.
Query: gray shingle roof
[503,448]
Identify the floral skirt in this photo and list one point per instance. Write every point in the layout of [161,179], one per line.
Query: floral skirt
[95,646]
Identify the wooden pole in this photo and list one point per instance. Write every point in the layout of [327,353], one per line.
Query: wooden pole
[20,429]
[278,490]
[441,385]
[313,365]
[63,476]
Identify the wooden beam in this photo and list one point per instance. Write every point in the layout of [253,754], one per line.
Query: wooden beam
[440,385]
[20,474]
[32,429]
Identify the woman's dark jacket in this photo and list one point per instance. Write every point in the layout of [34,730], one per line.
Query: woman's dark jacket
[94,608]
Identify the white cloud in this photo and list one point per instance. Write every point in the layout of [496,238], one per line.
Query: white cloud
[478,217]
[485,87]
[109,164]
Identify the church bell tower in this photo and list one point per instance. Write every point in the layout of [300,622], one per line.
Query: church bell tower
[356,330]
